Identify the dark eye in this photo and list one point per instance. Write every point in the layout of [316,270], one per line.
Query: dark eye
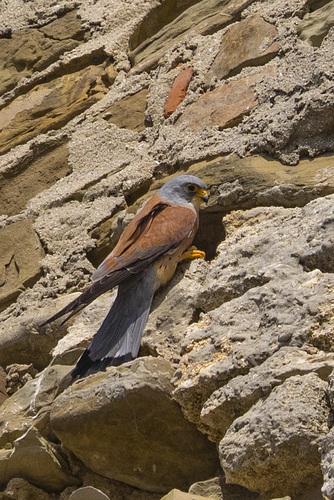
[191,187]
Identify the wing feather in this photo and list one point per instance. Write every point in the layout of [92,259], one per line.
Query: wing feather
[158,228]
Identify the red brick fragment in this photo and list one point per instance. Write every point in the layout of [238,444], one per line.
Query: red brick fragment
[178,91]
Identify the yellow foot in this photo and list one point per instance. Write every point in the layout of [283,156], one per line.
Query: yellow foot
[192,253]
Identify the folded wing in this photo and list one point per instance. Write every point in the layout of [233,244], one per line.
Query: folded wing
[160,227]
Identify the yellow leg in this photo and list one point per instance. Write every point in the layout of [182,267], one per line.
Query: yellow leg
[192,253]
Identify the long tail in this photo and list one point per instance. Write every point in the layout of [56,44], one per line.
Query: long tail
[118,338]
[90,294]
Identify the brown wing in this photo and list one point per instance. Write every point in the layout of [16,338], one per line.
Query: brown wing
[158,228]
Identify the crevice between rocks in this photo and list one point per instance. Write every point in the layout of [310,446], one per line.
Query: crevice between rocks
[322,259]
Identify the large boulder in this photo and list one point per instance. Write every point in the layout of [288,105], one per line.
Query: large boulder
[124,424]
[274,448]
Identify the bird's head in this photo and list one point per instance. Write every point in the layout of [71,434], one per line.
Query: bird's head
[185,189]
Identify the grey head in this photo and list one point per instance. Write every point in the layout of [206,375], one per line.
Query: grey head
[184,189]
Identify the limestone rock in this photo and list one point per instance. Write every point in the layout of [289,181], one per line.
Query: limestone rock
[23,341]
[211,488]
[67,26]
[259,180]
[29,406]
[17,241]
[118,413]
[279,433]
[178,91]
[20,489]
[51,105]
[129,112]
[169,318]
[326,448]
[170,22]
[88,493]
[181,495]
[251,314]
[3,392]
[315,26]
[84,141]
[84,326]
[114,490]
[250,42]
[241,393]
[18,375]
[327,465]
[31,176]
[36,460]
[225,106]
[32,50]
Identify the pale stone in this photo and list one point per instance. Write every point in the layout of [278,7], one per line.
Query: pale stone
[37,461]
[181,495]
[117,413]
[211,488]
[315,26]
[253,267]
[279,433]
[88,493]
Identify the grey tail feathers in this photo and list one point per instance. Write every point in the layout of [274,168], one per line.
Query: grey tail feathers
[118,338]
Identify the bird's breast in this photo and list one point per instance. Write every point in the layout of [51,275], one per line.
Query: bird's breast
[165,266]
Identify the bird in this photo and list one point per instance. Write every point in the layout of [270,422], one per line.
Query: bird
[144,259]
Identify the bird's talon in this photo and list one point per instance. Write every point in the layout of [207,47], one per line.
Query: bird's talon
[192,253]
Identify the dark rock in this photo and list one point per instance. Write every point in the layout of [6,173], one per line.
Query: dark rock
[20,489]
[30,177]
[129,112]
[32,50]
[17,241]
[51,105]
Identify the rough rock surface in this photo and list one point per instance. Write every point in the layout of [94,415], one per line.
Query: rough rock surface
[210,488]
[282,431]
[100,103]
[20,489]
[119,414]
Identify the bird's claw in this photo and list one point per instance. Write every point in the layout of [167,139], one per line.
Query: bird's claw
[192,253]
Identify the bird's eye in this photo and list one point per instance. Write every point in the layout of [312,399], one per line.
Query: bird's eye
[191,187]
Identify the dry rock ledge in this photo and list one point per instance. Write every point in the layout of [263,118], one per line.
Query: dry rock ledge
[100,103]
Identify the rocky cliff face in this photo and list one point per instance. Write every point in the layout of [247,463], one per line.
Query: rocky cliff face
[101,101]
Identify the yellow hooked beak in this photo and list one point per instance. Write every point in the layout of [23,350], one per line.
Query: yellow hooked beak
[203,195]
